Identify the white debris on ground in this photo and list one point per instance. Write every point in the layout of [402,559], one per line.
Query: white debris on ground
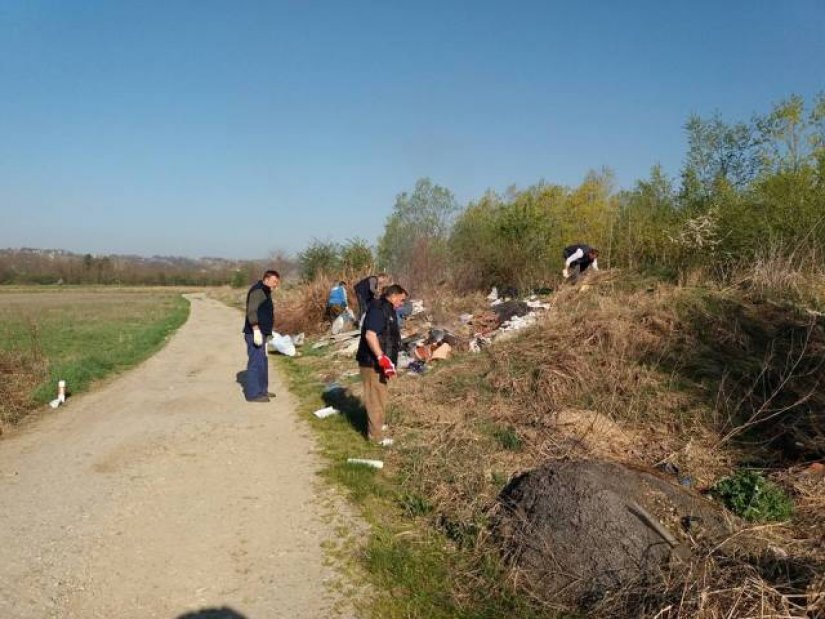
[376,464]
[349,350]
[323,413]
[536,304]
[282,344]
[344,320]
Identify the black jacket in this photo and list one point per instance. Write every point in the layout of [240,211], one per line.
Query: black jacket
[585,261]
[259,309]
[389,338]
[364,288]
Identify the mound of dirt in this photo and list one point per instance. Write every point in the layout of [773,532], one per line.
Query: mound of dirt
[579,529]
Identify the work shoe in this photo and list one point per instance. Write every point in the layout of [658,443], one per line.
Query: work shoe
[260,398]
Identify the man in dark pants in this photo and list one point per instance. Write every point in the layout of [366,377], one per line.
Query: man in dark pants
[377,355]
[260,318]
[577,259]
[367,290]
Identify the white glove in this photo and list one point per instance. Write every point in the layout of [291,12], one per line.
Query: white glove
[257,337]
[565,273]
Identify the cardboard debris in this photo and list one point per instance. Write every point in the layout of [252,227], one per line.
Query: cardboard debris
[349,350]
[441,352]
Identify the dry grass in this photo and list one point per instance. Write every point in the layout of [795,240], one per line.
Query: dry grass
[641,374]
[20,373]
[300,309]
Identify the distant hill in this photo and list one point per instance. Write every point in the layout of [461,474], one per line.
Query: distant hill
[28,265]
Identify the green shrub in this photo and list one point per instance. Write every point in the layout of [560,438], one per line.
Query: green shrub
[506,437]
[751,496]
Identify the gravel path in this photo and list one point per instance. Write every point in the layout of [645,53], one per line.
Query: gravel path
[164,492]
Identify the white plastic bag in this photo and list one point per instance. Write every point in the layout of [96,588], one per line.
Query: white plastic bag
[282,344]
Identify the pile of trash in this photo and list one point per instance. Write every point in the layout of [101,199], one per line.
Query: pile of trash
[424,343]
[417,351]
[505,316]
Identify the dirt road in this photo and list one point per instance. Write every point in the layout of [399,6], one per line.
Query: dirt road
[164,492]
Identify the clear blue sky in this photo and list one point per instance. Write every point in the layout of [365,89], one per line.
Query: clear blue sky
[237,128]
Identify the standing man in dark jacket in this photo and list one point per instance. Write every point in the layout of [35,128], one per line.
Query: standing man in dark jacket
[260,318]
[377,356]
[367,290]
[577,259]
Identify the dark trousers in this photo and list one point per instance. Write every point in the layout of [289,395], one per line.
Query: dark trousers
[363,304]
[257,369]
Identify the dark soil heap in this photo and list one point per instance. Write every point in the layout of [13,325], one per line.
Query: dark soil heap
[578,529]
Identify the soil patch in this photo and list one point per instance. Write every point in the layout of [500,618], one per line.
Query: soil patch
[582,528]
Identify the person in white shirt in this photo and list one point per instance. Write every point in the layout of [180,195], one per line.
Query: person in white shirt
[577,259]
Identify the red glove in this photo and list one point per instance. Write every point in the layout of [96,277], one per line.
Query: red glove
[387,366]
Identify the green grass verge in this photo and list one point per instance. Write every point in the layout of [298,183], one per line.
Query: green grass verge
[416,568]
[86,334]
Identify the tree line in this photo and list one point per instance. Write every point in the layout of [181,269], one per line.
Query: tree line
[748,190]
[38,266]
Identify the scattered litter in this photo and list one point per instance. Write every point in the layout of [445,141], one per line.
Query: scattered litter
[493,296]
[345,335]
[442,352]
[667,468]
[403,361]
[507,309]
[61,394]
[333,387]
[436,336]
[417,367]
[816,470]
[348,350]
[465,318]
[321,344]
[376,464]
[422,353]
[386,442]
[534,304]
[417,306]
[298,340]
[486,322]
[518,322]
[344,320]
[323,413]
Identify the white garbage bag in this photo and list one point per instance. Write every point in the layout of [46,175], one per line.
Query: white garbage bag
[282,344]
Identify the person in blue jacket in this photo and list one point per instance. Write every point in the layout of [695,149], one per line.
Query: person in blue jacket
[337,301]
